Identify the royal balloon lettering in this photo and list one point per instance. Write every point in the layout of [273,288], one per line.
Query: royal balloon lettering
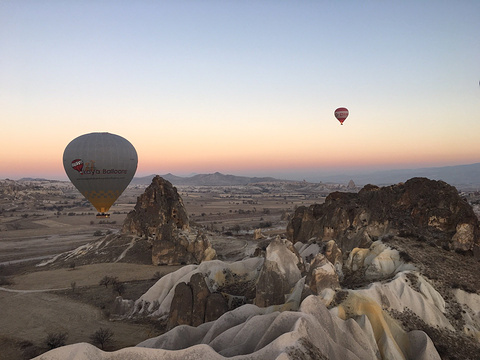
[90,169]
[114,171]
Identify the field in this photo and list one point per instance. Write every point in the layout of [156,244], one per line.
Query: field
[39,219]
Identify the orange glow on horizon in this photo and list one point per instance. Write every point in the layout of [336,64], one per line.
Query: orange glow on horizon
[332,149]
[16,168]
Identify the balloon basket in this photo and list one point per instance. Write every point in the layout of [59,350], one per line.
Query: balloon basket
[103,215]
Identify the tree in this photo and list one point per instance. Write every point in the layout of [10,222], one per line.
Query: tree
[119,288]
[107,280]
[55,340]
[102,337]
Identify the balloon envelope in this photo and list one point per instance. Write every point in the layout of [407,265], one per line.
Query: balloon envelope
[100,165]
[341,114]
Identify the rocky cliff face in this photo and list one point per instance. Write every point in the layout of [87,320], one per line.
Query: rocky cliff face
[159,205]
[160,216]
[420,207]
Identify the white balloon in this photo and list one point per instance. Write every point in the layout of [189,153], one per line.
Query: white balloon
[100,165]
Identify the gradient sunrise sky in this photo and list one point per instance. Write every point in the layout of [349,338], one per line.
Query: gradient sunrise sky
[241,87]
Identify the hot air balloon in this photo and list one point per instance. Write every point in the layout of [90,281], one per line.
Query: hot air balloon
[341,114]
[100,165]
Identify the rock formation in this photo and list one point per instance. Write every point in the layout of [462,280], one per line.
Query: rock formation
[172,246]
[365,323]
[193,303]
[280,273]
[369,276]
[160,216]
[235,281]
[322,275]
[419,207]
[159,205]
[257,234]
[351,185]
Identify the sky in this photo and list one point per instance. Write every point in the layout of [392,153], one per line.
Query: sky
[241,87]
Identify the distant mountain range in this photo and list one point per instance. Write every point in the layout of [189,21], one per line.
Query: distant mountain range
[33,179]
[216,179]
[462,176]
[458,175]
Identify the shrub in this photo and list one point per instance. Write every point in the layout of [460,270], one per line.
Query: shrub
[104,281]
[29,349]
[102,337]
[5,281]
[266,224]
[405,256]
[119,288]
[55,340]
[107,280]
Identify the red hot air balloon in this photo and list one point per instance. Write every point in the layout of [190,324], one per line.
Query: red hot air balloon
[341,114]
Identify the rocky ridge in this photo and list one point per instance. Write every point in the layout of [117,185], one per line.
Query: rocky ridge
[419,207]
[363,276]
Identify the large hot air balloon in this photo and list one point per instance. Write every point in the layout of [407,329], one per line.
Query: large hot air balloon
[341,114]
[100,165]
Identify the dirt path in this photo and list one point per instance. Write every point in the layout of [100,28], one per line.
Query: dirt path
[29,291]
